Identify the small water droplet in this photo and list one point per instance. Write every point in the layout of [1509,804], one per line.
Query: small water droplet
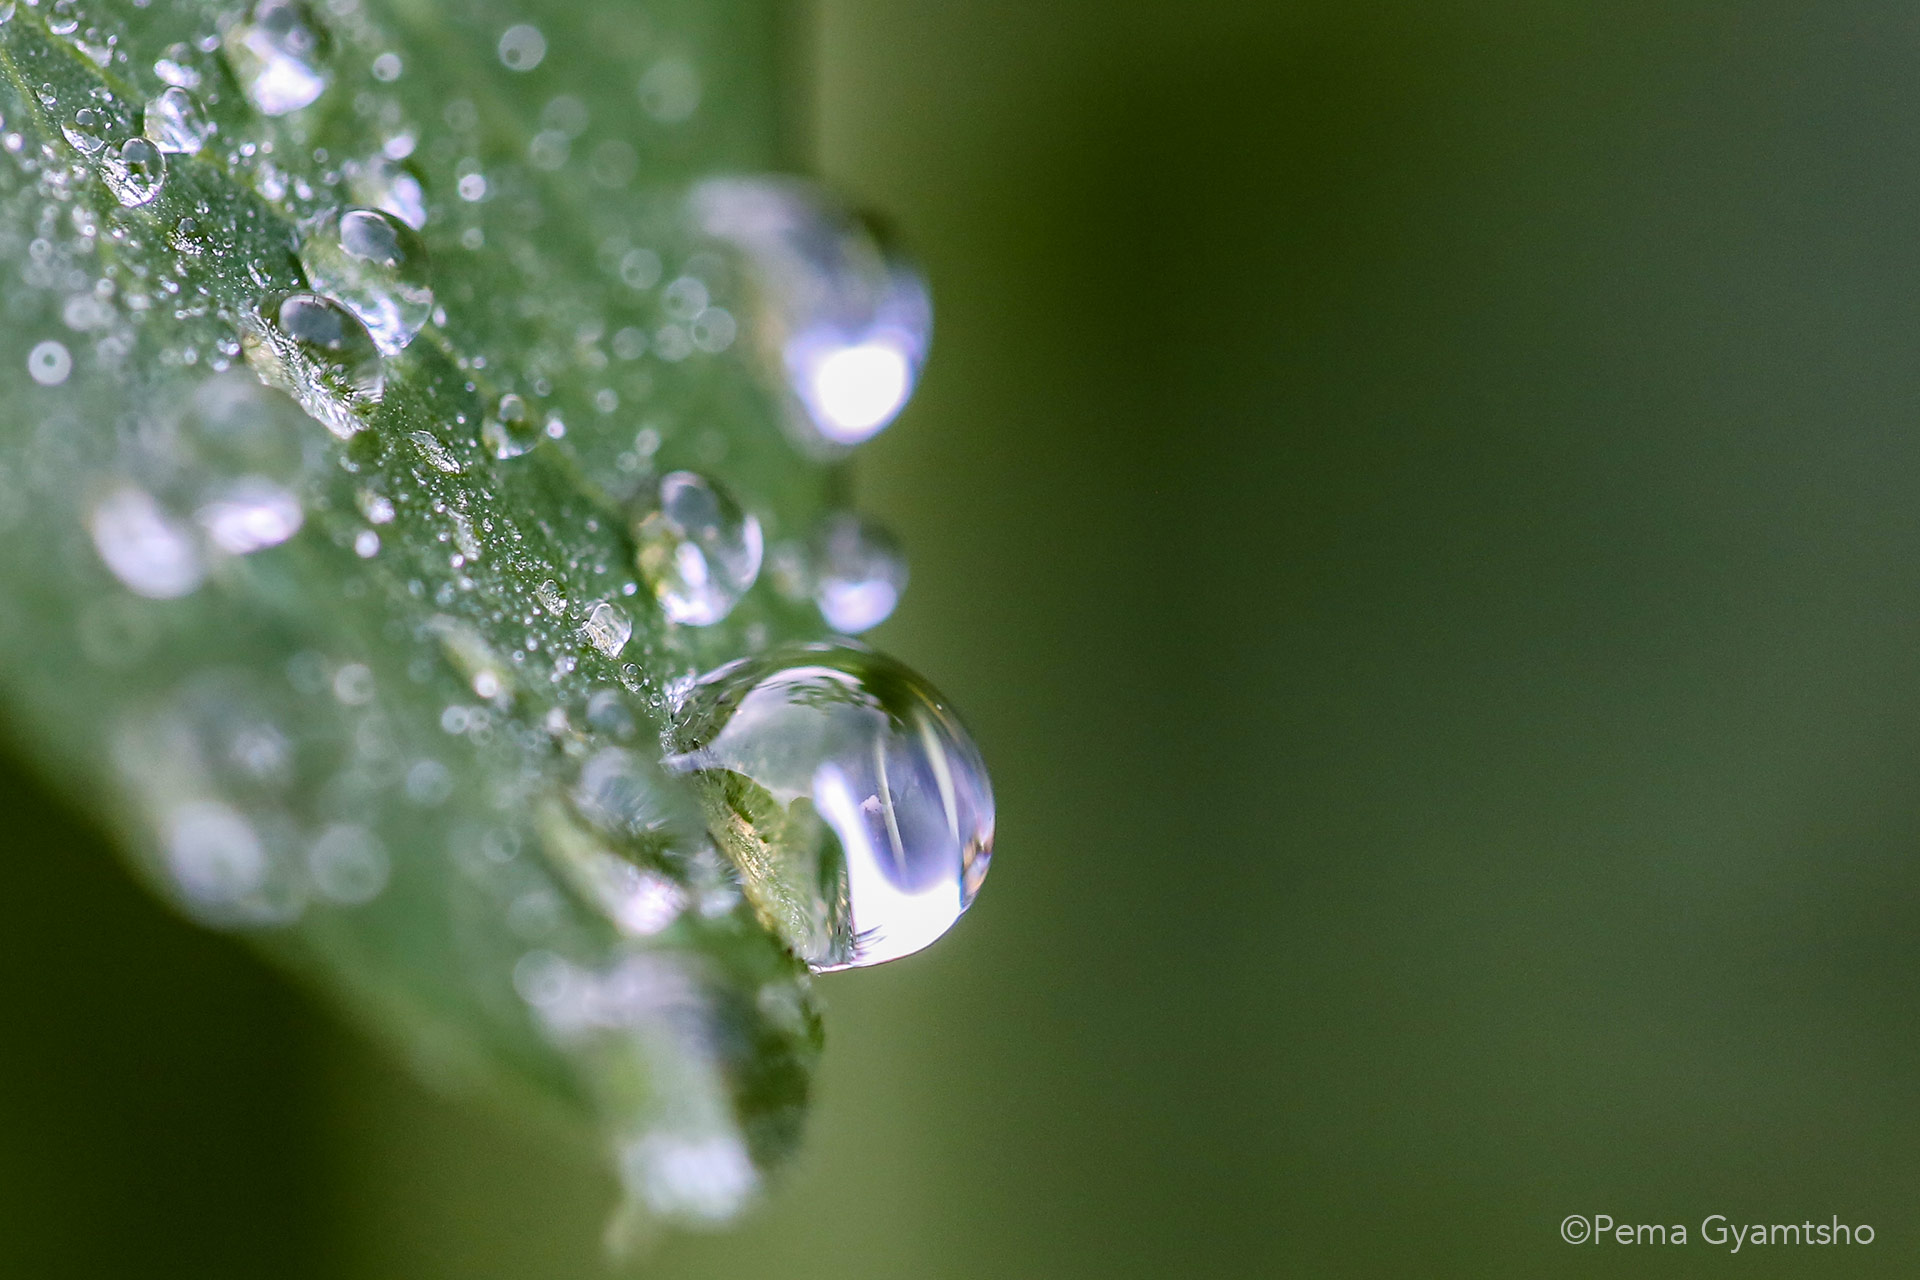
[49,363]
[216,860]
[151,553]
[135,173]
[437,455]
[858,573]
[174,122]
[347,864]
[696,549]
[385,183]
[510,430]
[376,265]
[551,598]
[319,352]
[278,55]
[844,315]
[176,68]
[522,47]
[250,514]
[607,628]
[84,130]
[851,799]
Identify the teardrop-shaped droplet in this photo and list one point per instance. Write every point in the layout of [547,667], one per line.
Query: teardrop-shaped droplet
[377,266]
[696,549]
[174,122]
[845,316]
[278,55]
[318,351]
[848,794]
[858,573]
[134,173]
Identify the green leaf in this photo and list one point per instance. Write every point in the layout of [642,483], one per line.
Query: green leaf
[390,747]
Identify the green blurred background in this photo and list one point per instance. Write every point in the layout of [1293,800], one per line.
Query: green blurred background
[1418,502]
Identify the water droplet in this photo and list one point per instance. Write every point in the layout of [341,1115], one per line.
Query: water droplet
[135,173]
[858,574]
[216,860]
[698,552]
[522,47]
[848,794]
[437,455]
[319,352]
[607,628]
[376,265]
[176,68]
[385,183]
[278,54]
[250,514]
[146,548]
[844,315]
[347,864]
[174,122]
[84,130]
[510,430]
[49,363]
[551,598]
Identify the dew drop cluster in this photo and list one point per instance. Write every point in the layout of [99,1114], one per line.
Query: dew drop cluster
[349,355]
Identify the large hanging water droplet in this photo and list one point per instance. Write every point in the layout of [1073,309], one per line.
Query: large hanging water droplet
[377,266]
[849,795]
[697,550]
[174,122]
[319,352]
[278,53]
[858,573]
[135,173]
[845,316]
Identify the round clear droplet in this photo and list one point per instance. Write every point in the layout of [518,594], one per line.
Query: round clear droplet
[174,122]
[696,549]
[278,53]
[841,312]
[607,628]
[858,573]
[320,353]
[134,173]
[847,792]
[510,430]
[376,265]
